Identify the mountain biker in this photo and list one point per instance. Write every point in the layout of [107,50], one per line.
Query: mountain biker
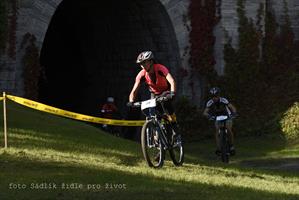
[159,81]
[220,106]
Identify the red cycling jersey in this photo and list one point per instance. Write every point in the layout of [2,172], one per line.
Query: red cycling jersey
[108,110]
[161,83]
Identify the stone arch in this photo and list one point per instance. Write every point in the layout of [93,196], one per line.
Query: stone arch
[106,53]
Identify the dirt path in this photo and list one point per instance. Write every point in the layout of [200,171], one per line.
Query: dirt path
[285,164]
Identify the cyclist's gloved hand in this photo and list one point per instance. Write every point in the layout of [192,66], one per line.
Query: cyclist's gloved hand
[130,104]
[211,117]
[233,115]
[170,95]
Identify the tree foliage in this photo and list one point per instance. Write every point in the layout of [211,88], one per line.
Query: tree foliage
[260,75]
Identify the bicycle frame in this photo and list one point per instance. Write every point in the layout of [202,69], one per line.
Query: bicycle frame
[158,134]
[153,115]
[223,137]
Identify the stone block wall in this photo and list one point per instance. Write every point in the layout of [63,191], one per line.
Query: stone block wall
[228,26]
[178,13]
[34,17]
[277,7]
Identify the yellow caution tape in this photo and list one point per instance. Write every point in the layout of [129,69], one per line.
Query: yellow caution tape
[1,98]
[73,115]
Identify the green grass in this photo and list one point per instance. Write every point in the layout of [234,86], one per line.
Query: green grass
[47,149]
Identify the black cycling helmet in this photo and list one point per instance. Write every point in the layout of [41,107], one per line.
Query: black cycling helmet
[145,55]
[215,91]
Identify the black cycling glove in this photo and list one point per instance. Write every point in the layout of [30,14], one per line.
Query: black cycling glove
[211,117]
[130,104]
[170,95]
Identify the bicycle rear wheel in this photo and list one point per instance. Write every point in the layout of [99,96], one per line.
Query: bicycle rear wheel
[224,146]
[152,147]
[177,150]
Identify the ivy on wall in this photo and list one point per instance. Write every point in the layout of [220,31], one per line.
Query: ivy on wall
[261,79]
[204,15]
[284,42]
[203,19]
[32,68]
[269,43]
[242,63]
[261,55]
[259,71]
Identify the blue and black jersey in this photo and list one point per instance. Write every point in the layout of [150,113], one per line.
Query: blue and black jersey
[218,108]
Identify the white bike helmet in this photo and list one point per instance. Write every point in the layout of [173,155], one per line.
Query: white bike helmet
[110,99]
[145,55]
[214,91]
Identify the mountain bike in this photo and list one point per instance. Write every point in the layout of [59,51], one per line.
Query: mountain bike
[158,134]
[223,137]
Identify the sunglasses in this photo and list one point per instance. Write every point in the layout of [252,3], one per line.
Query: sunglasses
[143,63]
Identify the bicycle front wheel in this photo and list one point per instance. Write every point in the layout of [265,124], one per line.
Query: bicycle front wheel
[152,146]
[224,146]
[177,150]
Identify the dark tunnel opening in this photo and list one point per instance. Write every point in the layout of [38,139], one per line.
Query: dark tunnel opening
[90,48]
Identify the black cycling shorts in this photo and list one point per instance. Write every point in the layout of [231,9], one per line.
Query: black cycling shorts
[168,105]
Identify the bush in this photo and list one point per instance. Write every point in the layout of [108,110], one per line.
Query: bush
[191,121]
[290,123]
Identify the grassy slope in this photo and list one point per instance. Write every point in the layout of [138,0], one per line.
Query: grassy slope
[48,149]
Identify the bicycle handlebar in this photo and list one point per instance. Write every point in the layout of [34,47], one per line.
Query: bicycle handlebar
[213,118]
[138,103]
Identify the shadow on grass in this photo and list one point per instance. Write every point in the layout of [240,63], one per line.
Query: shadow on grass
[253,153]
[196,153]
[122,154]
[279,164]
[95,143]
[99,184]
[246,148]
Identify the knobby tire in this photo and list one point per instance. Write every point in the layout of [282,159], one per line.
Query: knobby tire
[224,147]
[177,152]
[149,130]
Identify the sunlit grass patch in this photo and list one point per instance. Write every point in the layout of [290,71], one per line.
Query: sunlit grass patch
[68,152]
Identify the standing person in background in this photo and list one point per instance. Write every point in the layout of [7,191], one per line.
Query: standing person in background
[109,110]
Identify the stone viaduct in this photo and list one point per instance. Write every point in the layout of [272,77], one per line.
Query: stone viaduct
[88,48]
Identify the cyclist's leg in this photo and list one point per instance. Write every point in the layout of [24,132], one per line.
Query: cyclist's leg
[170,110]
[217,139]
[168,107]
[231,136]
[171,115]
[230,132]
